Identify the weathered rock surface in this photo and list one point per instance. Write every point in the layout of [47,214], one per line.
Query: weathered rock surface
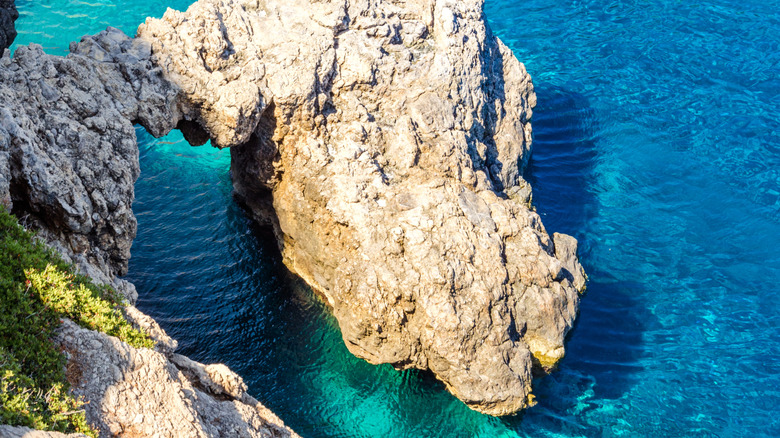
[68,151]
[140,392]
[68,162]
[391,137]
[26,432]
[8,14]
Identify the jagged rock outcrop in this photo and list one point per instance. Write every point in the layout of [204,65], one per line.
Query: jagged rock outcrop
[68,151]
[68,162]
[140,392]
[391,137]
[8,14]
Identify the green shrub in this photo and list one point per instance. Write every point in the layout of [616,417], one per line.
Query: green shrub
[37,289]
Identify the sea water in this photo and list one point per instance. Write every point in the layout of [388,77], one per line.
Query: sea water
[657,144]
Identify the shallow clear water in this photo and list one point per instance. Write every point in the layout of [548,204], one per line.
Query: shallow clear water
[657,144]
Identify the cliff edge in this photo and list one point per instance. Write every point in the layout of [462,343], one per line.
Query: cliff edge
[68,162]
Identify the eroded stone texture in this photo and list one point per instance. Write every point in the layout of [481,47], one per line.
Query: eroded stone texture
[68,162]
[68,151]
[141,393]
[8,14]
[26,432]
[392,138]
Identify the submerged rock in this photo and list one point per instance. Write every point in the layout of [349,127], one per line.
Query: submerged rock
[391,138]
[8,14]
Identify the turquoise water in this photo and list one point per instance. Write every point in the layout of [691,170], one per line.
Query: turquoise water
[657,144]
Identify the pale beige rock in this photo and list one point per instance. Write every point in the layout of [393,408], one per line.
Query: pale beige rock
[141,321]
[391,137]
[140,393]
[26,432]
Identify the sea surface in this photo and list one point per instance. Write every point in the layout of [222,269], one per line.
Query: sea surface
[657,144]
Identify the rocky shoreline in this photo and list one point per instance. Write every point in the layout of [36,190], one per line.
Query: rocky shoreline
[390,141]
[68,162]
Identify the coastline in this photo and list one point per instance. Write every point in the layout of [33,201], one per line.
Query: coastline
[96,235]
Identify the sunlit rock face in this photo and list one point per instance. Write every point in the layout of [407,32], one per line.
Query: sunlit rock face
[391,138]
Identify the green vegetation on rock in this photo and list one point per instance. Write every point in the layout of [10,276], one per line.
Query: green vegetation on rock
[37,289]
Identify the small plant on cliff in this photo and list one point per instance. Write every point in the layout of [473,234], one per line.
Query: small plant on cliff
[37,289]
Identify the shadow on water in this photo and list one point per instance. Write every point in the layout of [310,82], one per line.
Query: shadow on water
[605,347]
[564,153]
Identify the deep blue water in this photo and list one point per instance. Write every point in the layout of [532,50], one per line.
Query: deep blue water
[657,144]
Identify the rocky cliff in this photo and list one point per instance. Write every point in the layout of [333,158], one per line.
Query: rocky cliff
[384,140]
[8,15]
[390,138]
[68,162]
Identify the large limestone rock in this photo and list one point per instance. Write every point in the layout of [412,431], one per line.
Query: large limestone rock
[391,138]
[8,15]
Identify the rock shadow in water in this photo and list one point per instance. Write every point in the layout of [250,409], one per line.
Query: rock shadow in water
[603,351]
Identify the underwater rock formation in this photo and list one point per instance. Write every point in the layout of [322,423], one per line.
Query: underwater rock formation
[391,138]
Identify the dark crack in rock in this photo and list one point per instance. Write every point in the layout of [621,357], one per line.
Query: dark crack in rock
[8,15]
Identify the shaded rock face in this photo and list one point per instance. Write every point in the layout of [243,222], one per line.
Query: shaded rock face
[68,151]
[391,137]
[8,14]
